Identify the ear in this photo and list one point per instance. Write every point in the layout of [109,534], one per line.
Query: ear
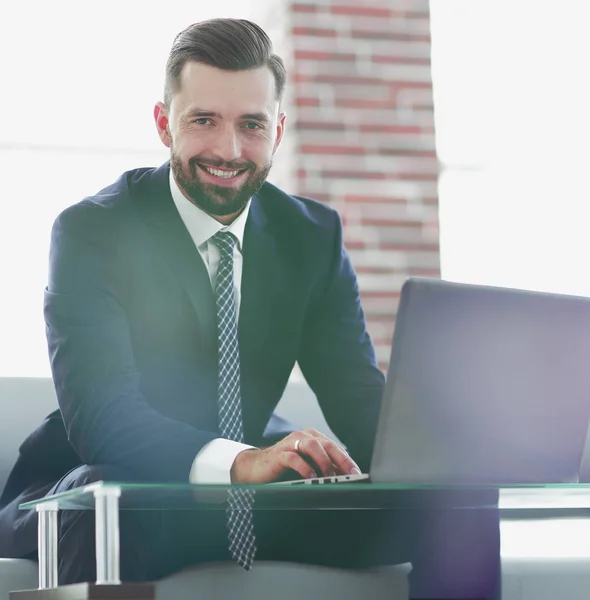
[161,118]
[280,131]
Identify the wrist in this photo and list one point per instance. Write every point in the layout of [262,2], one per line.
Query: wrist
[239,467]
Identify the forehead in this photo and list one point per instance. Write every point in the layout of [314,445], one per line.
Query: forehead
[224,91]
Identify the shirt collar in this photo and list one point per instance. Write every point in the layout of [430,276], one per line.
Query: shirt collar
[202,226]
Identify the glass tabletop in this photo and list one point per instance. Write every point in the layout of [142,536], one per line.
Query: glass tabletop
[345,496]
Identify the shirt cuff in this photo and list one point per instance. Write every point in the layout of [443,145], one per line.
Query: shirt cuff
[214,461]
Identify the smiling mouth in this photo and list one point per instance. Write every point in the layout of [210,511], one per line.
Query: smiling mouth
[222,174]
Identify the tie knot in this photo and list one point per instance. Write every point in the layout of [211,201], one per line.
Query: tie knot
[225,241]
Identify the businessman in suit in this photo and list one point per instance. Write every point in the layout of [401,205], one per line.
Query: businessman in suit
[179,299]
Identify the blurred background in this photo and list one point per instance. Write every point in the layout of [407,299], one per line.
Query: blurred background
[452,135]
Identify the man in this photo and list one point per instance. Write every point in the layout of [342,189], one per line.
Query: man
[178,301]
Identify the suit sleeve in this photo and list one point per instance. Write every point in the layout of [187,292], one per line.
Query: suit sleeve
[106,417]
[337,356]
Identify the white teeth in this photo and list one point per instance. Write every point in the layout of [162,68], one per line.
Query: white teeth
[222,174]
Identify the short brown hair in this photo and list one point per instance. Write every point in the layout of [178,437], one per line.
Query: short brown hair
[231,44]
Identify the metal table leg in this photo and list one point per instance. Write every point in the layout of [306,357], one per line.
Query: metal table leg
[108,584]
[47,540]
[107,535]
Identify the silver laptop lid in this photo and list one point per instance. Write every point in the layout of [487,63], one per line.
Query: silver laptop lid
[485,385]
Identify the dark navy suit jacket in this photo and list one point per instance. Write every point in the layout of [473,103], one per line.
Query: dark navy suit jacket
[131,329]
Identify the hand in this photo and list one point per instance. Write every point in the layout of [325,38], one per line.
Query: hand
[293,452]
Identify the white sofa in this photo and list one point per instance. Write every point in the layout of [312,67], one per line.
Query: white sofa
[24,402]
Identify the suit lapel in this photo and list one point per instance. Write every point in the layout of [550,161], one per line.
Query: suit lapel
[260,276]
[154,203]
[260,282]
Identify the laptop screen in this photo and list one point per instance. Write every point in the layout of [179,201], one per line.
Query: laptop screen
[485,385]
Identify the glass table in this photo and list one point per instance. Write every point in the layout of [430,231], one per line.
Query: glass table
[108,498]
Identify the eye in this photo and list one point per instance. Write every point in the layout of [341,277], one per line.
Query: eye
[202,121]
[252,126]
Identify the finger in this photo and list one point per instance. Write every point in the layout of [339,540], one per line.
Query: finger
[343,462]
[341,459]
[292,460]
[313,449]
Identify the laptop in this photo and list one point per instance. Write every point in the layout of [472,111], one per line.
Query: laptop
[485,386]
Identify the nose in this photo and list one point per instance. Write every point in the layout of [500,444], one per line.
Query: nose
[227,144]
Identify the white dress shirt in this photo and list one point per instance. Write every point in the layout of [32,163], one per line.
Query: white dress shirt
[213,463]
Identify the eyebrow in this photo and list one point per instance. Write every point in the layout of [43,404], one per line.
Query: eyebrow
[262,117]
[200,112]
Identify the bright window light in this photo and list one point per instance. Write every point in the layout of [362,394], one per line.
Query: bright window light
[512,124]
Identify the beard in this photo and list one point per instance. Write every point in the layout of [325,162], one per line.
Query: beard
[217,200]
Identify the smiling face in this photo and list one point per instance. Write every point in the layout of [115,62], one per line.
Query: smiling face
[223,129]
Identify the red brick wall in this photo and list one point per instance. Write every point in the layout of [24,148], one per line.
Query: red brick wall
[361,84]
